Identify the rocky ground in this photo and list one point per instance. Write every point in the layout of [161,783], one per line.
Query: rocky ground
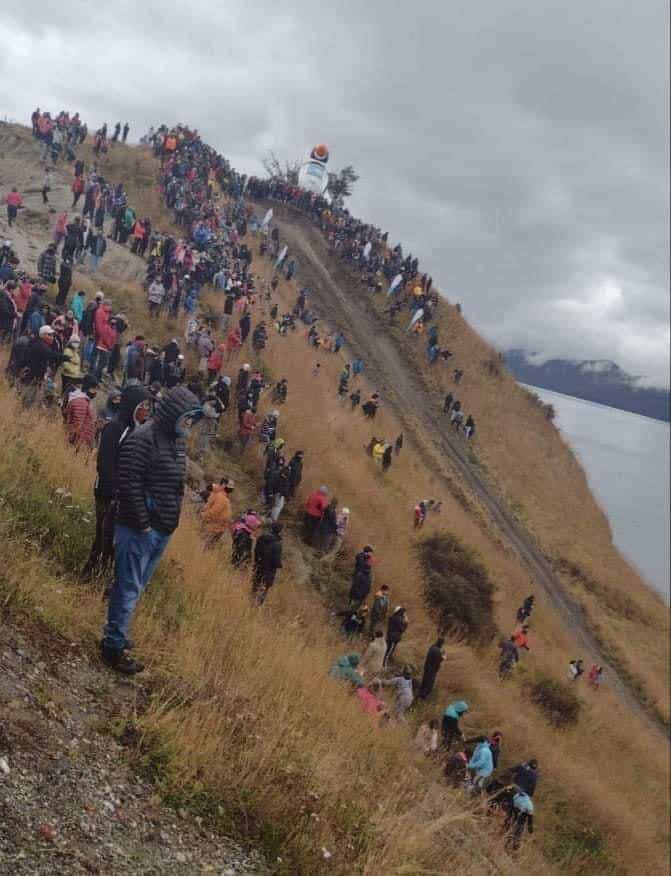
[70,801]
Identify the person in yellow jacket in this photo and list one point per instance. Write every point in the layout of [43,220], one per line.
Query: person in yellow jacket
[378,452]
[218,514]
[71,372]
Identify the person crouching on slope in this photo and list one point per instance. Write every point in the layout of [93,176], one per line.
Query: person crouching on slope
[152,470]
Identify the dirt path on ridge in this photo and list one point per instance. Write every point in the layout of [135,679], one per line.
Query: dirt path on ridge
[416,410]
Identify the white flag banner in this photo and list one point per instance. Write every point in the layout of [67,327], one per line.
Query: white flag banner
[366,250]
[267,218]
[395,283]
[281,257]
[416,318]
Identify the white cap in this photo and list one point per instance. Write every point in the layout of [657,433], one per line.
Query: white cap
[46,330]
[346,512]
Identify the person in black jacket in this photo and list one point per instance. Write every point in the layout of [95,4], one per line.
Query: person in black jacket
[296,476]
[133,411]
[151,473]
[278,488]
[64,281]
[432,663]
[267,560]
[396,626]
[222,390]
[362,579]
[525,776]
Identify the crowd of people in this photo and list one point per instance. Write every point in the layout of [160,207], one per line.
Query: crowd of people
[139,435]
[366,251]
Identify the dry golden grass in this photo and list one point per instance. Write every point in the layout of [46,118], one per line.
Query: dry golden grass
[230,661]
[243,722]
[529,462]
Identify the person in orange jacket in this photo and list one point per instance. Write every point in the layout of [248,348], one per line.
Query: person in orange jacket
[218,514]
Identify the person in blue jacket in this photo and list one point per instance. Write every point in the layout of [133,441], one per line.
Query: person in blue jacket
[521,814]
[345,669]
[450,724]
[481,763]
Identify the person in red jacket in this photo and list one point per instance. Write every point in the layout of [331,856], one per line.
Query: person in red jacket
[214,362]
[521,639]
[138,236]
[105,339]
[247,427]
[77,188]
[80,415]
[23,295]
[14,200]
[316,505]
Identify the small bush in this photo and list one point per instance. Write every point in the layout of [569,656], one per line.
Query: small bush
[492,366]
[560,703]
[546,407]
[457,588]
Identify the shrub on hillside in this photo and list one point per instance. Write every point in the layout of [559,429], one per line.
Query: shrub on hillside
[560,702]
[546,407]
[457,588]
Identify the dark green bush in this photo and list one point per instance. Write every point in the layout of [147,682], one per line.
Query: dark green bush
[457,588]
[560,702]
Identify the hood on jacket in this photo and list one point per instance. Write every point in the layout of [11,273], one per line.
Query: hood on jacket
[176,404]
[131,397]
[348,661]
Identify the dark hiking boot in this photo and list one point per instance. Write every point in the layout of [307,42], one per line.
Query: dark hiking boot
[120,661]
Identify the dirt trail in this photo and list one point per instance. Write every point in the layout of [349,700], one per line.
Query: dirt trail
[418,412]
[21,166]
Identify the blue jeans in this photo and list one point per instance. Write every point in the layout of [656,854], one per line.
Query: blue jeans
[100,362]
[89,349]
[136,555]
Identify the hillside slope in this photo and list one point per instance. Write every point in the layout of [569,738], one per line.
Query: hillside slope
[569,530]
[204,632]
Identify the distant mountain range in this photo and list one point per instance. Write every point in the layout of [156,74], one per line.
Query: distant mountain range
[597,380]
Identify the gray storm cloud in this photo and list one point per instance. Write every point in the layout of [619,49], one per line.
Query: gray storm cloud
[520,150]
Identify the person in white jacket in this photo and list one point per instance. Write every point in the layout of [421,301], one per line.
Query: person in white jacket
[373,656]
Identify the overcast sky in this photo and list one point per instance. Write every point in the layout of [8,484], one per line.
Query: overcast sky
[521,150]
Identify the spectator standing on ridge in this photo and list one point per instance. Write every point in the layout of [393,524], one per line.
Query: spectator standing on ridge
[14,201]
[132,412]
[151,474]
[218,514]
[267,561]
[315,506]
[432,663]
[396,627]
